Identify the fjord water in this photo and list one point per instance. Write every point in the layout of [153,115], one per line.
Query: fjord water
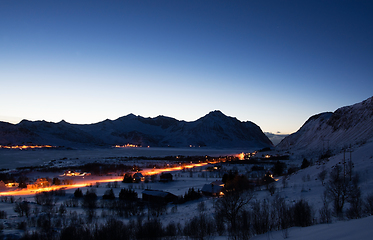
[10,159]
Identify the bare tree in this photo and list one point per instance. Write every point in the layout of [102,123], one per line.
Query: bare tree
[336,189]
[368,204]
[280,213]
[22,208]
[341,189]
[272,189]
[112,229]
[354,198]
[261,220]
[75,231]
[200,227]
[231,205]
[322,176]
[45,199]
[284,182]
[90,203]
[325,213]
[302,214]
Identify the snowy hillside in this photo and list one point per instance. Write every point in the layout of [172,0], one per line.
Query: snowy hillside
[350,125]
[215,130]
[354,229]
[305,184]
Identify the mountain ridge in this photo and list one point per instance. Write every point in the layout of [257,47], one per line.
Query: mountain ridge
[214,130]
[347,126]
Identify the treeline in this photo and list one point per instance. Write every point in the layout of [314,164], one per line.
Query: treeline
[238,214]
[114,229]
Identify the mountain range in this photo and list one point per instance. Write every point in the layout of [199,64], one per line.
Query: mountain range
[348,126]
[214,130]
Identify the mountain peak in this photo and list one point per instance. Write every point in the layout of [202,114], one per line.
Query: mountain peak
[63,122]
[216,113]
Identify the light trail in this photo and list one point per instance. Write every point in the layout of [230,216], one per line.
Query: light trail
[92,180]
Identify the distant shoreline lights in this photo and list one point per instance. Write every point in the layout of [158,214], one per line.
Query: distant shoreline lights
[24,147]
[127,146]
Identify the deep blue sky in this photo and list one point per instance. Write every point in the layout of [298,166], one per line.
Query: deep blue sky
[275,63]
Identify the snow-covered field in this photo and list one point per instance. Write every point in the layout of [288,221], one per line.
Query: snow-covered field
[300,185]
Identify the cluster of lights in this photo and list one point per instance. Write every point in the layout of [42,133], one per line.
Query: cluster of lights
[21,147]
[126,146]
[241,156]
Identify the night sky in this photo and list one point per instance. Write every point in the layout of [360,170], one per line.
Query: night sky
[275,63]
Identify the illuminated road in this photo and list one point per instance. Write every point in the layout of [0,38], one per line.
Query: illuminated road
[92,180]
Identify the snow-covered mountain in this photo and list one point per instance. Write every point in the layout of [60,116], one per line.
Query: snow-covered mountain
[347,126]
[215,130]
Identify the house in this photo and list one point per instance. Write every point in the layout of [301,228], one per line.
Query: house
[158,196]
[70,173]
[138,177]
[40,183]
[213,189]
[268,178]
[166,177]
[12,184]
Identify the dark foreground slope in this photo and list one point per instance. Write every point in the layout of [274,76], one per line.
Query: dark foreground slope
[215,130]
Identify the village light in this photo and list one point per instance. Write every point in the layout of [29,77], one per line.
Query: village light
[128,145]
[241,156]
